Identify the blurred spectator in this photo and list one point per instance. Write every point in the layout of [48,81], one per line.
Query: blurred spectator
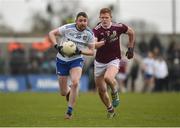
[42,57]
[170,50]
[49,63]
[2,62]
[133,73]
[42,46]
[17,58]
[35,60]
[148,72]
[161,74]
[173,56]
[143,47]
[121,77]
[155,43]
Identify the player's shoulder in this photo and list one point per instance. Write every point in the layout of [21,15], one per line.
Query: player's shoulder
[89,30]
[114,24]
[98,26]
[70,25]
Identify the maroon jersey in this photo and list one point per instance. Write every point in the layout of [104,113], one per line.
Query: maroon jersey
[111,49]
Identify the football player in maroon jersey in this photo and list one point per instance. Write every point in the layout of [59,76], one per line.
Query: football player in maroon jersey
[108,56]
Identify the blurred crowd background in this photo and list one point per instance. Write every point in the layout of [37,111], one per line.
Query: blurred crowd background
[155,67]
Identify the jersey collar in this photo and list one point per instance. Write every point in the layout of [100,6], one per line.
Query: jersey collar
[108,26]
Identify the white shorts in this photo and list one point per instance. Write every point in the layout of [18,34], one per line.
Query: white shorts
[100,68]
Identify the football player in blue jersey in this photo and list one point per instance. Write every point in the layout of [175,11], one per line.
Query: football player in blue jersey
[71,66]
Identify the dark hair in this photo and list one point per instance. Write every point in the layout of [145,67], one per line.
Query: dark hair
[105,10]
[81,14]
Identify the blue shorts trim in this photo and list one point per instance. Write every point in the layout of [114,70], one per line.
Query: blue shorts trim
[148,76]
[63,67]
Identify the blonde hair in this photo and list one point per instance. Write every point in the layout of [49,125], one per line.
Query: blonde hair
[106,10]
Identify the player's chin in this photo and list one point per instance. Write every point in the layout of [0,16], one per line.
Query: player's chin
[82,28]
[105,24]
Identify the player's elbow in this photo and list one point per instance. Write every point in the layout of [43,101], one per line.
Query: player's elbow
[91,53]
[51,34]
[131,32]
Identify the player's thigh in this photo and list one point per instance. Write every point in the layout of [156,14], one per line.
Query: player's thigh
[100,83]
[76,70]
[63,82]
[75,74]
[111,71]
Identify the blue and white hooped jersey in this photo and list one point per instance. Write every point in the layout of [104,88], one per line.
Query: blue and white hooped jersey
[69,32]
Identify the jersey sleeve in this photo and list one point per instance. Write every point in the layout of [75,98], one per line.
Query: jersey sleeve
[90,35]
[91,38]
[62,30]
[95,33]
[123,28]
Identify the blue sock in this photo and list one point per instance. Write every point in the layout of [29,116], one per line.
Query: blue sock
[69,110]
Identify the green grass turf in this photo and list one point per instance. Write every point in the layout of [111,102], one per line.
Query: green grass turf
[48,109]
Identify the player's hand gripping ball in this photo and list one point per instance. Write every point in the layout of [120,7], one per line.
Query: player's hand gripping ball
[69,48]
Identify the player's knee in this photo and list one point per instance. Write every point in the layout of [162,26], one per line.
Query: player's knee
[75,84]
[102,90]
[108,80]
[63,93]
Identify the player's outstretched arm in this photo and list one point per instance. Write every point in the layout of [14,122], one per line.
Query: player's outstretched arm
[131,35]
[52,36]
[90,50]
[98,44]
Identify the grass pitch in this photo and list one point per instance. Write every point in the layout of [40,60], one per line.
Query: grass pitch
[48,109]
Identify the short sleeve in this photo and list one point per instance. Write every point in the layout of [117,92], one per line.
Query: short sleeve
[62,30]
[123,28]
[91,38]
[95,32]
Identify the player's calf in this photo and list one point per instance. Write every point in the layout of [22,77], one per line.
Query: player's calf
[67,96]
